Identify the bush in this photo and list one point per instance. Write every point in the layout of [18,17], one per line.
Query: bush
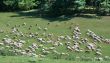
[20,4]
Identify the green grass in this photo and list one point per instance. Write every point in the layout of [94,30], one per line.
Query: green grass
[99,26]
[21,59]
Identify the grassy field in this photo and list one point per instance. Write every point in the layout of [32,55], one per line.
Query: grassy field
[57,27]
[20,59]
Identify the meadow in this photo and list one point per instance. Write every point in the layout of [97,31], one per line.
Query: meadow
[57,27]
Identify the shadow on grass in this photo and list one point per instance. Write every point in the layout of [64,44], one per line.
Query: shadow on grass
[38,14]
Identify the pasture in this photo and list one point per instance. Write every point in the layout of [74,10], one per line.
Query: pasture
[28,25]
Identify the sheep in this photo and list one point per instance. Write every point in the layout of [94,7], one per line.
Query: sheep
[107,41]
[45,29]
[91,46]
[35,46]
[24,24]
[76,47]
[61,37]
[68,37]
[1,31]
[14,30]
[69,48]
[77,29]
[84,41]
[94,36]
[18,45]
[98,53]
[49,35]
[39,28]
[99,58]
[40,39]
[7,46]
[7,40]
[49,41]
[52,48]
[60,43]
[55,44]
[45,52]
[56,52]
[1,44]
[22,41]
[36,34]
[76,33]
[106,58]
[31,35]
[23,53]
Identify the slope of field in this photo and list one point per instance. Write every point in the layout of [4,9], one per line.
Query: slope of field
[59,27]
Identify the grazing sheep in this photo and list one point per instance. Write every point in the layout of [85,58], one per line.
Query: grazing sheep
[98,53]
[68,38]
[84,41]
[69,48]
[39,28]
[45,29]
[77,29]
[7,40]
[24,24]
[1,31]
[49,35]
[45,52]
[1,44]
[99,58]
[76,47]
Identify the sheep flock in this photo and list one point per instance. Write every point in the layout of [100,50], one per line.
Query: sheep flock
[43,44]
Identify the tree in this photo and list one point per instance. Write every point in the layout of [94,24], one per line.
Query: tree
[2,5]
[105,7]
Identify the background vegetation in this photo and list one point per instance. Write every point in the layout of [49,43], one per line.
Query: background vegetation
[57,8]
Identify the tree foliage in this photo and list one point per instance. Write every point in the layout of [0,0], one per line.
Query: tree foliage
[58,7]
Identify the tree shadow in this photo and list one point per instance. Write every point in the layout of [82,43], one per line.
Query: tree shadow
[39,14]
